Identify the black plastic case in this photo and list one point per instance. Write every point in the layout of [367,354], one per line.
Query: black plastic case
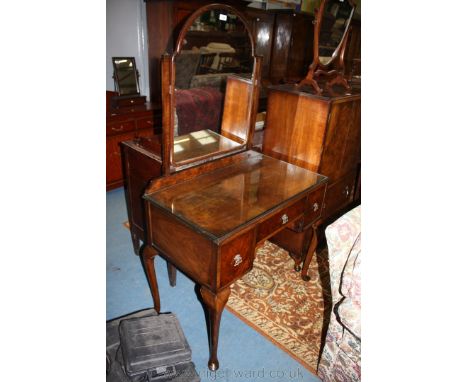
[154,348]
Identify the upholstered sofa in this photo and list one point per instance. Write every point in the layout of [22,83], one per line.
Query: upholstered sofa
[341,356]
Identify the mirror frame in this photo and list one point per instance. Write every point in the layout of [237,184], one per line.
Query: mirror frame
[168,91]
[317,69]
[115,76]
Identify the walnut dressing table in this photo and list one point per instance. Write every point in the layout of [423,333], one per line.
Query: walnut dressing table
[207,221]
[212,200]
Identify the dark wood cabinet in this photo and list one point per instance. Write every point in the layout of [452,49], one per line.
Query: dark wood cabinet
[283,37]
[292,50]
[125,124]
[301,45]
[262,24]
[322,134]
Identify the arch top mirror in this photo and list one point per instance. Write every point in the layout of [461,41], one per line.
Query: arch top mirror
[210,88]
[330,38]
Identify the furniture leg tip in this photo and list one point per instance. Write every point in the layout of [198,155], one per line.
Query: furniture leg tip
[213,365]
[305,277]
[297,268]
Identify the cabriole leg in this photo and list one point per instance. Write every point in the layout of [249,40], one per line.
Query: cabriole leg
[214,303]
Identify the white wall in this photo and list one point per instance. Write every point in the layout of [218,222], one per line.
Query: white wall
[126,36]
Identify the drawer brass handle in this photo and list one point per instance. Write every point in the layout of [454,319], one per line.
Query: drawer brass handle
[131,101]
[118,128]
[284,219]
[347,191]
[237,260]
[316,206]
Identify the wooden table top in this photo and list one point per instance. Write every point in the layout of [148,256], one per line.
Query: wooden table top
[224,200]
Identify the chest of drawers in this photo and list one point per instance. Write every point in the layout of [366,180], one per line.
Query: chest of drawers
[322,134]
[126,124]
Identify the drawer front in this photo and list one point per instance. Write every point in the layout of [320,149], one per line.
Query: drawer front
[120,127]
[125,102]
[236,258]
[280,219]
[314,206]
[313,210]
[339,194]
[144,123]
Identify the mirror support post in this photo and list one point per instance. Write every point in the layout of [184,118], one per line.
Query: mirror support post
[167,113]
[256,83]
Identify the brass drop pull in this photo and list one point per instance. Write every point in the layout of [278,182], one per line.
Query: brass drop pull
[284,218]
[347,191]
[316,206]
[237,260]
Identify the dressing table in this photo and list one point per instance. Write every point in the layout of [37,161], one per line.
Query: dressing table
[212,200]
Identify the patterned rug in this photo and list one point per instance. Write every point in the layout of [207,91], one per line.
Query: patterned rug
[274,300]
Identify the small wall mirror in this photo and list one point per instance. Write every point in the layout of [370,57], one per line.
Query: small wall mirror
[330,38]
[211,90]
[125,76]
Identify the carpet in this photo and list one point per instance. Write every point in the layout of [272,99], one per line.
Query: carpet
[274,300]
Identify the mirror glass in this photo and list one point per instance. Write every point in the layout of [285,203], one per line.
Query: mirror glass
[125,75]
[335,20]
[214,49]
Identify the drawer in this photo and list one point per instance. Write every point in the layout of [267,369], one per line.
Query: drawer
[236,258]
[121,127]
[339,194]
[313,210]
[280,219]
[144,123]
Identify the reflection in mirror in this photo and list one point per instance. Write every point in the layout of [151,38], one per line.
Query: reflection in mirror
[215,48]
[125,75]
[201,144]
[336,17]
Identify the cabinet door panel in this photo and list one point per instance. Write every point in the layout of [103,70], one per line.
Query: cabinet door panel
[295,127]
[352,152]
[341,115]
[339,194]
[262,29]
[301,49]
[280,51]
